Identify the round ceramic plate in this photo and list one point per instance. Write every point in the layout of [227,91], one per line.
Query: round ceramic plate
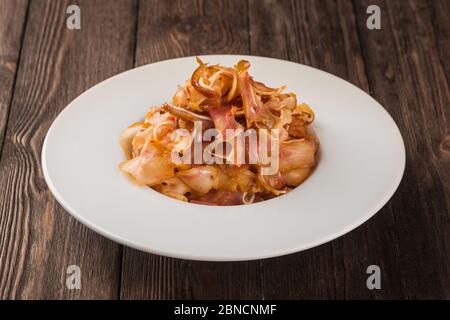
[362,159]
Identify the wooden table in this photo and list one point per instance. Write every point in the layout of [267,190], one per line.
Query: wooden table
[405,66]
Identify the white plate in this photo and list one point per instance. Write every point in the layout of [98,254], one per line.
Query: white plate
[362,163]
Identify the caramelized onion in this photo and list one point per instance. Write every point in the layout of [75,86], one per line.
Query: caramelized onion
[295,177]
[242,65]
[305,112]
[181,97]
[184,114]
[198,79]
[262,89]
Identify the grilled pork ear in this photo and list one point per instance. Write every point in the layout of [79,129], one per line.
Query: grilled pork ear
[296,154]
[126,138]
[223,118]
[295,177]
[174,188]
[184,114]
[200,179]
[255,111]
[151,167]
[219,198]
[222,98]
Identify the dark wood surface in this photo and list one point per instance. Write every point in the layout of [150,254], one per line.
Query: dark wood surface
[405,66]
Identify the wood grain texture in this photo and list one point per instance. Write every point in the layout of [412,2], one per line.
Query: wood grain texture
[407,73]
[169,29]
[38,239]
[12,21]
[438,14]
[177,28]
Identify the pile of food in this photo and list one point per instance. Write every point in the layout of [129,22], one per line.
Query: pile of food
[223,99]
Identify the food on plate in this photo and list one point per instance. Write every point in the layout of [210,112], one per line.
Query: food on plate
[225,139]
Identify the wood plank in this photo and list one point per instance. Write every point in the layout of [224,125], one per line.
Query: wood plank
[169,29]
[408,72]
[439,13]
[12,22]
[176,28]
[38,239]
[323,34]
